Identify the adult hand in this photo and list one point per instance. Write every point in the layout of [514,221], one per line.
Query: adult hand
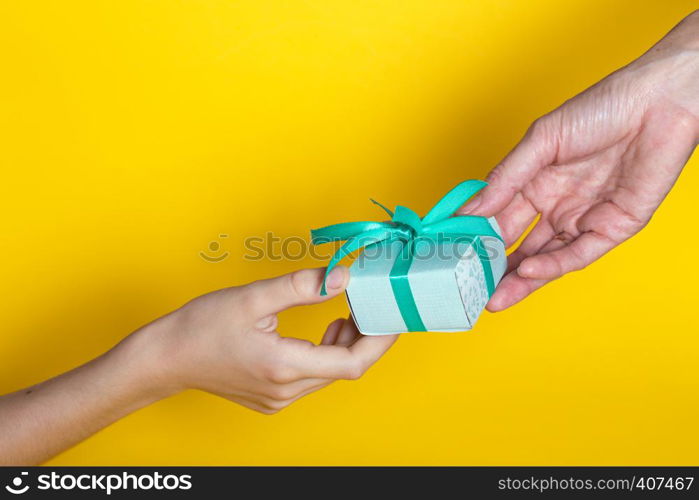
[596,168]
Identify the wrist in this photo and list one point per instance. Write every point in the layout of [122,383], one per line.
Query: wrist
[668,72]
[145,364]
[686,34]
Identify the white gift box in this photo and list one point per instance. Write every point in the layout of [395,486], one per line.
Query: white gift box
[448,281]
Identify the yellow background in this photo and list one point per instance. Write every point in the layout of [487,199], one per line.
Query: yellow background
[133,133]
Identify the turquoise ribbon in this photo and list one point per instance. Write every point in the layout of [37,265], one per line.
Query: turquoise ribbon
[407,227]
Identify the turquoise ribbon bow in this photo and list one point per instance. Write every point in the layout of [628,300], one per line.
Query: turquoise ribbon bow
[406,226]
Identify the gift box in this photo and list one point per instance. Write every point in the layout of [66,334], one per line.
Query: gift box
[434,273]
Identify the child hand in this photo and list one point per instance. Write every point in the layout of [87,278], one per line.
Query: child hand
[225,343]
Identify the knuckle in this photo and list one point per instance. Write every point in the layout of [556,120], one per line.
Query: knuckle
[579,261]
[546,131]
[247,300]
[495,174]
[280,393]
[538,127]
[300,283]
[277,372]
[620,227]
[542,131]
[355,371]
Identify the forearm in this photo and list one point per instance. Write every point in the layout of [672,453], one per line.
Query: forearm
[683,36]
[38,422]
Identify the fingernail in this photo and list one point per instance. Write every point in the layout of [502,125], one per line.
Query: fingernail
[336,278]
[524,269]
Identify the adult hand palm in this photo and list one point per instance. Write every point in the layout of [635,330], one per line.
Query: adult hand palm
[595,170]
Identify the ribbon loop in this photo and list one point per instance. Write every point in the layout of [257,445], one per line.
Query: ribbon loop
[468,225]
[406,217]
[453,200]
[407,226]
[344,231]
